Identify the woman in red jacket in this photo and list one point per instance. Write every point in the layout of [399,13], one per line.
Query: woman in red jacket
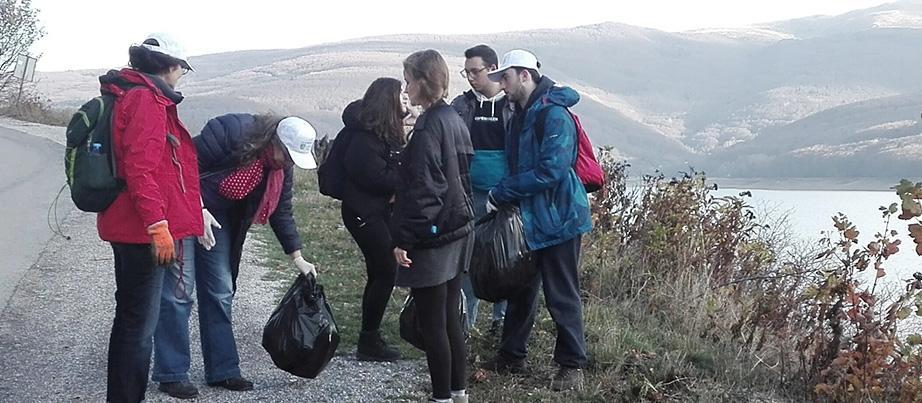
[159,210]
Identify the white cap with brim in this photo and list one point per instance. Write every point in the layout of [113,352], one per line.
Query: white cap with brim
[298,137]
[169,46]
[515,58]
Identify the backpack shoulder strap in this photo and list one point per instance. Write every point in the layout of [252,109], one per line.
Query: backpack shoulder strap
[113,100]
[542,117]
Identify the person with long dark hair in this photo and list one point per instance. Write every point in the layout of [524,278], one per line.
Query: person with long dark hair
[375,136]
[157,212]
[247,178]
[432,225]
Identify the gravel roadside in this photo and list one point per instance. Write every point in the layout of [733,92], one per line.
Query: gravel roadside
[54,334]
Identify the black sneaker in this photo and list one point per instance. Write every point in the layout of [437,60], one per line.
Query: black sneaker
[567,379]
[238,384]
[501,364]
[372,347]
[179,390]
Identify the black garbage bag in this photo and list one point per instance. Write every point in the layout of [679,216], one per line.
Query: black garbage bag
[301,335]
[501,266]
[411,331]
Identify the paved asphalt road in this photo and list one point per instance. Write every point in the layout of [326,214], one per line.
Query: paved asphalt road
[31,173]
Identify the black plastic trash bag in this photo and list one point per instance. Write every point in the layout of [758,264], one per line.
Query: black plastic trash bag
[501,266]
[301,335]
[411,331]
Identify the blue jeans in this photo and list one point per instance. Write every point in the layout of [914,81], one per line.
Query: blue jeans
[209,274]
[499,308]
[137,292]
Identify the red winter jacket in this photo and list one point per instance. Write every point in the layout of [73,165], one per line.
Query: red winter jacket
[155,156]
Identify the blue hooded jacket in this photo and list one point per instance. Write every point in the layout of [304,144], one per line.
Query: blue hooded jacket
[553,201]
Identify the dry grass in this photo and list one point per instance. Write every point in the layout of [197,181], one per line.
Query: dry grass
[655,321]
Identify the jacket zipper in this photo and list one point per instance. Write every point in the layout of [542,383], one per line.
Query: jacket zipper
[174,145]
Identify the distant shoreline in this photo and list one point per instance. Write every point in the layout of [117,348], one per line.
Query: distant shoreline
[824,184]
[802,184]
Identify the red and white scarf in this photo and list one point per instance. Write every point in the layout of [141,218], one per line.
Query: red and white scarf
[239,184]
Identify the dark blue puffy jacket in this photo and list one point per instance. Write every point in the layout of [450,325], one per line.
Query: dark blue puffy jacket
[218,145]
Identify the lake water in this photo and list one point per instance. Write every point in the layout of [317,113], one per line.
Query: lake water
[811,212]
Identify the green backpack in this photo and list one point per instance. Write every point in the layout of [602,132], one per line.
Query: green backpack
[88,159]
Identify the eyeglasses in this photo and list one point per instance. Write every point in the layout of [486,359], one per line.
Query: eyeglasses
[472,72]
[185,71]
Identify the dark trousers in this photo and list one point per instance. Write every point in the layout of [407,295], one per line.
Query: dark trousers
[558,272]
[439,309]
[138,281]
[374,239]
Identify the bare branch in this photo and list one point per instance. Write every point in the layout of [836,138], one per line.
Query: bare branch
[19,30]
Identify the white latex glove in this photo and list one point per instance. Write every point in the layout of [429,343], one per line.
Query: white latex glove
[490,206]
[207,240]
[305,267]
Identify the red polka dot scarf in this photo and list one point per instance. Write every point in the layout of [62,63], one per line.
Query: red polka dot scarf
[241,183]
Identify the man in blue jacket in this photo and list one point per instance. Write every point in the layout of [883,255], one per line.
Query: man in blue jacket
[555,213]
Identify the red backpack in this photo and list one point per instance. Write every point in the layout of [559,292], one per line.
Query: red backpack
[587,166]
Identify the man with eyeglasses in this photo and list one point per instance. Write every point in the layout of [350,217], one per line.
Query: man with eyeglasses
[485,111]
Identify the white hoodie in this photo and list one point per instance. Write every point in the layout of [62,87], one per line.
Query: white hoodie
[492,100]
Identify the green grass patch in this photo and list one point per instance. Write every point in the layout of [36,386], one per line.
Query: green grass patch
[341,268]
[637,353]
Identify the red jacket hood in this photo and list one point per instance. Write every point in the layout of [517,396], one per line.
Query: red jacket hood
[117,82]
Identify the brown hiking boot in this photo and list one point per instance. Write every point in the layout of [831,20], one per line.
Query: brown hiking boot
[567,379]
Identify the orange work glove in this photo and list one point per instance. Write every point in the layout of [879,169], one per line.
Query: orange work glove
[161,243]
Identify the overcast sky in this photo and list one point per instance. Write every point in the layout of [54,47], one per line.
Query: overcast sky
[97,33]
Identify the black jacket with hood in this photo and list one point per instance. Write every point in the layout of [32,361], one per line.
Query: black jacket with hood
[433,204]
[488,165]
[467,102]
[370,166]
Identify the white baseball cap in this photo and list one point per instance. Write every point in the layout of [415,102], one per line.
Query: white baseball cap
[298,137]
[515,58]
[169,46]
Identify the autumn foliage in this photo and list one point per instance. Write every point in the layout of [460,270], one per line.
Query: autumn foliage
[809,323]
